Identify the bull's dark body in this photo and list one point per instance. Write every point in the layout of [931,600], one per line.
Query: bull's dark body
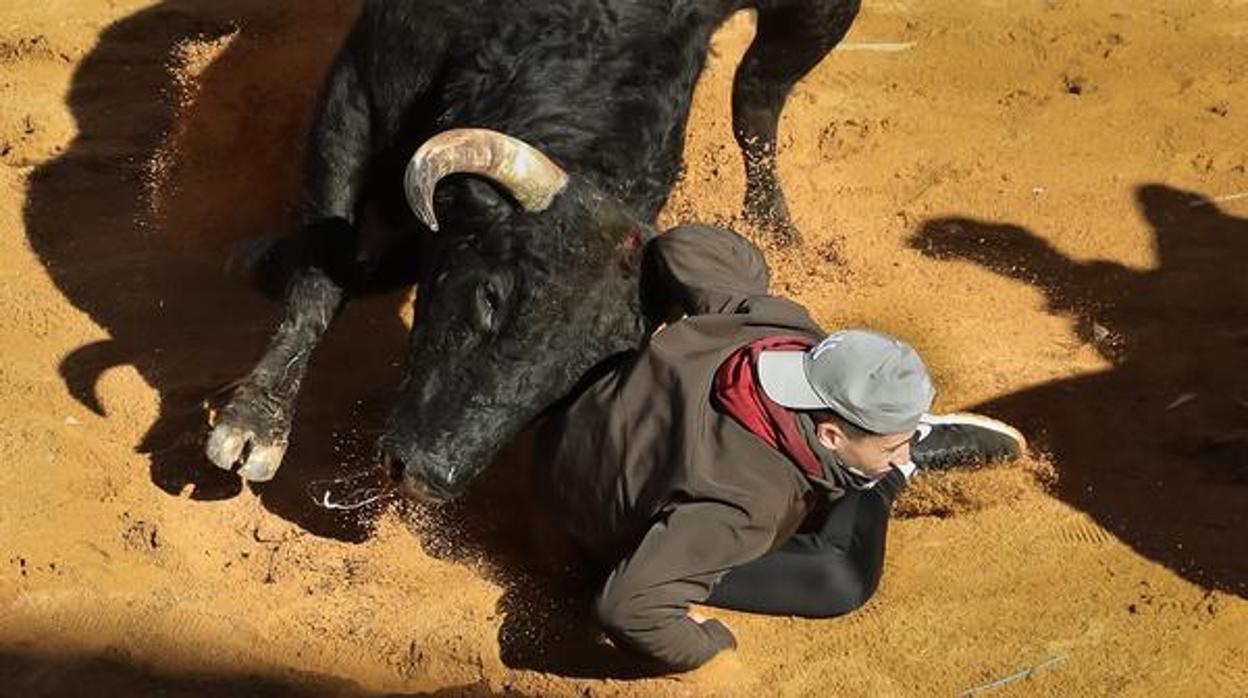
[601,86]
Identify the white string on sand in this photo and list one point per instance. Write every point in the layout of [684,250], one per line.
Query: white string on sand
[1219,199]
[877,46]
[353,498]
[1025,673]
[324,502]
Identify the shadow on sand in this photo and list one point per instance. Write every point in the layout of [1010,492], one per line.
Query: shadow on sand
[547,624]
[135,222]
[191,118]
[33,676]
[1156,447]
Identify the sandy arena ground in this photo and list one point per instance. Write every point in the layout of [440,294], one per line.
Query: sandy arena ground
[1049,198]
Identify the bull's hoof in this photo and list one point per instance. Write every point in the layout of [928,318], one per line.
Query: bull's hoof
[768,211]
[249,433]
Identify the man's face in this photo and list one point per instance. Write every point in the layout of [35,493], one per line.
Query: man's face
[872,455]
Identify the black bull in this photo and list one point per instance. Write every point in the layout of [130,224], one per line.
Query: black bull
[526,285]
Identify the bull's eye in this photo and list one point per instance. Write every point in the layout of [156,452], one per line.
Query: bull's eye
[488,299]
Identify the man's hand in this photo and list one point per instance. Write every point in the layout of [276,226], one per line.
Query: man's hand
[725,670]
[700,619]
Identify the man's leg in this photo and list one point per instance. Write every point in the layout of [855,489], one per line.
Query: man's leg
[960,439]
[836,568]
[829,571]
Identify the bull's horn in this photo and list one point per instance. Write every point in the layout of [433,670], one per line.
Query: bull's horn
[523,170]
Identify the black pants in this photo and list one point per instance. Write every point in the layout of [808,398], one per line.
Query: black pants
[825,570]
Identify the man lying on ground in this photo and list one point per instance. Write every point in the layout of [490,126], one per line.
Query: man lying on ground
[744,458]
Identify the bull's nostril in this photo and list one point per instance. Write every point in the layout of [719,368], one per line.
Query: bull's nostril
[420,487]
[389,463]
[423,484]
[395,467]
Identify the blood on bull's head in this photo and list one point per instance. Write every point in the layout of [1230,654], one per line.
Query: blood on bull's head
[522,303]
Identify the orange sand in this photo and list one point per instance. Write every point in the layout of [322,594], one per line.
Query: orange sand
[1023,190]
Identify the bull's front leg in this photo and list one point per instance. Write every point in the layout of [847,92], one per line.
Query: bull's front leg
[251,431]
[791,38]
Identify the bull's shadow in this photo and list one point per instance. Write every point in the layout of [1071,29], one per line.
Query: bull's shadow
[90,676]
[1155,448]
[500,528]
[135,221]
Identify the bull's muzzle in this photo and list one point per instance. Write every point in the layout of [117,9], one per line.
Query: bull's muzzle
[418,485]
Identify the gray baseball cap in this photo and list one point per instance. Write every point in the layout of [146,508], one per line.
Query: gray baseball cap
[873,380]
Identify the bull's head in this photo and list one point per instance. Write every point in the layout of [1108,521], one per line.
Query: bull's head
[520,306]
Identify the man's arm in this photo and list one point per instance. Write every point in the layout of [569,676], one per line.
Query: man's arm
[644,606]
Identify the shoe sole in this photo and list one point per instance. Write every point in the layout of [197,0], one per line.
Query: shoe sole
[980,421]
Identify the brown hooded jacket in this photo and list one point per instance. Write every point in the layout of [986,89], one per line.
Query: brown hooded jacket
[655,482]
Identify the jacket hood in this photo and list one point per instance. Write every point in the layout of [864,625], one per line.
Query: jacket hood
[696,270]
